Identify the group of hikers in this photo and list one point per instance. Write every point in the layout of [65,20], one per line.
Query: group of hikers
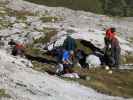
[68,55]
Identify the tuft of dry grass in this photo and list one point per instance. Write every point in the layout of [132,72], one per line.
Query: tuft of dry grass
[50,18]
[3,93]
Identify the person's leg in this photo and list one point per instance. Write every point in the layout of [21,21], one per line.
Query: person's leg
[67,68]
[117,57]
[110,61]
[14,51]
[82,62]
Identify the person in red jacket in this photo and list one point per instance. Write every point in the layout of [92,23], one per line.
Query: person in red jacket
[18,49]
[112,48]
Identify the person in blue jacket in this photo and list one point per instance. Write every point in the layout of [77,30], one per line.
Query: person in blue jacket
[66,60]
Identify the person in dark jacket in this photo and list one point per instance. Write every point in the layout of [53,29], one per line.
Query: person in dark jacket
[81,57]
[112,48]
[12,43]
[70,44]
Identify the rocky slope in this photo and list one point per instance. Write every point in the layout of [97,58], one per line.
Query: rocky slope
[78,21]
[21,21]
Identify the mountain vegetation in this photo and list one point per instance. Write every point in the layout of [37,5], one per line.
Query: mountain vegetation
[109,7]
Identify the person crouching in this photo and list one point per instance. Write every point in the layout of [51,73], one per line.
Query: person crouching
[66,61]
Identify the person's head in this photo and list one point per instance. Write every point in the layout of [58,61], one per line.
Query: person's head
[113,29]
[12,40]
[71,52]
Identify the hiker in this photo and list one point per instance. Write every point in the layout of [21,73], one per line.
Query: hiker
[65,65]
[81,57]
[110,33]
[12,43]
[66,61]
[107,39]
[18,50]
[112,48]
[70,44]
[59,53]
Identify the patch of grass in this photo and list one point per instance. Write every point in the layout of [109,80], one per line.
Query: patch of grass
[128,59]
[4,24]
[19,13]
[3,93]
[116,84]
[131,39]
[49,18]
[47,37]
[81,46]
[43,67]
[41,61]
[36,52]
[31,50]
[3,3]
[88,5]
[109,7]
